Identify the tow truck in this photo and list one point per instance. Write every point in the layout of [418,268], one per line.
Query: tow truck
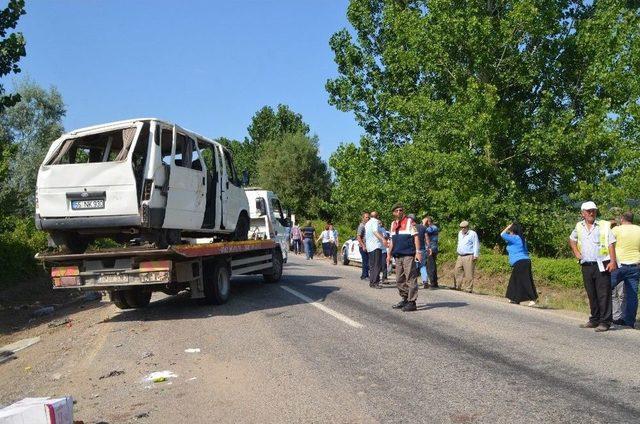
[131,274]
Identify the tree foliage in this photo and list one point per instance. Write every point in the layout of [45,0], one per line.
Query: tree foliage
[12,48]
[490,110]
[26,130]
[291,167]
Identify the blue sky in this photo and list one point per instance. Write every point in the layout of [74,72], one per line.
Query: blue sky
[206,65]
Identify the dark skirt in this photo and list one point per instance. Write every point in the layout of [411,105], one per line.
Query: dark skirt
[521,285]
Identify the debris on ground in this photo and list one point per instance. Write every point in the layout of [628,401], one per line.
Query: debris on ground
[160,376]
[56,376]
[192,350]
[41,410]
[142,415]
[113,373]
[59,322]
[147,355]
[47,310]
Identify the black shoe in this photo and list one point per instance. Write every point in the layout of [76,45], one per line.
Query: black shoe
[400,304]
[425,285]
[362,277]
[376,286]
[409,307]
[619,321]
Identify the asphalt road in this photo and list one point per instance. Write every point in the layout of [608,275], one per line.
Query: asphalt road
[269,355]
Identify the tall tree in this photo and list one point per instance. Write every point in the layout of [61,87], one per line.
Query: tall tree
[28,128]
[493,108]
[12,48]
[291,167]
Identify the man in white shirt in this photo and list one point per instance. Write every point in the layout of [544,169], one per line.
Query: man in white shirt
[374,242]
[468,252]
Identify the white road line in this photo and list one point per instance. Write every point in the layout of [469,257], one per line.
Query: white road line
[323,308]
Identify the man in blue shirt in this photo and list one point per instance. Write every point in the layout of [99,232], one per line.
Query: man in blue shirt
[432,252]
[468,252]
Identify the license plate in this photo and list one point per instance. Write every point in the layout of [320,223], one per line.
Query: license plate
[87,204]
[113,279]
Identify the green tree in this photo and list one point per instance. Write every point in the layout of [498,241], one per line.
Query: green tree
[493,110]
[291,167]
[27,129]
[12,48]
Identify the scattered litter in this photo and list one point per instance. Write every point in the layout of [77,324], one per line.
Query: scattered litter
[118,345]
[142,415]
[47,310]
[93,295]
[27,368]
[56,376]
[147,355]
[192,350]
[112,374]
[41,410]
[160,376]
[95,395]
[192,378]
[59,322]
[19,345]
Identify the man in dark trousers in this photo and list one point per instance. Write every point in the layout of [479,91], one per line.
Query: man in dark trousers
[405,248]
[593,244]
[360,233]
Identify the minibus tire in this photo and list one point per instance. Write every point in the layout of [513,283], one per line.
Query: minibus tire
[217,282]
[117,298]
[138,297]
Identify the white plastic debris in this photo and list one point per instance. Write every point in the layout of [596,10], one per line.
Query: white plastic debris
[42,410]
[192,350]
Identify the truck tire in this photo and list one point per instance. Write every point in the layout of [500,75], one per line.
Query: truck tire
[117,298]
[137,298]
[216,278]
[274,275]
[345,257]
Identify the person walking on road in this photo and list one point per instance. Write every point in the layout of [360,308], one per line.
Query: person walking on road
[374,242]
[333,243]
[296,237]
[325,236]
[521,286]
[594,245]
[628,256]
[308,237]
[385,268]
[360,233]
[468,252]
[405,248]
[432,266]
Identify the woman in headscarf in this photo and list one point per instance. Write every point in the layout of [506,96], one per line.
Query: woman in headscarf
[521,286]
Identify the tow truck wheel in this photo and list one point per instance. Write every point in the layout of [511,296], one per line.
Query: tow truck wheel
[117,298]
[137,298]
[216,282]
[276,273]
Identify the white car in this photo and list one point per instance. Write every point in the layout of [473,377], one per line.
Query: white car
[143,178]
[351,251]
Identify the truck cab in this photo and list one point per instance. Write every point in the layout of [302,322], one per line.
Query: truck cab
[267,218]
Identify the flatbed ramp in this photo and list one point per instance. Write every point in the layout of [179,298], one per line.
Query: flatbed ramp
[131,274]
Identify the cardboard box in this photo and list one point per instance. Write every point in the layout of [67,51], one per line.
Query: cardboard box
[39,411]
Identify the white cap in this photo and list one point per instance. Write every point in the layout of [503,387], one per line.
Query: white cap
[588,206]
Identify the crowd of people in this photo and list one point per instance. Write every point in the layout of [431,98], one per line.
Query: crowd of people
[608,253]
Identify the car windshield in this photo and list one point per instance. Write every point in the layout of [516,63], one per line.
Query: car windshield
[102,147]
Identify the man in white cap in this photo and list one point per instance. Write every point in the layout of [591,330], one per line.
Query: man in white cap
[468,252]
[593,244]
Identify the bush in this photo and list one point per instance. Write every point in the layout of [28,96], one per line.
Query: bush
[19,242]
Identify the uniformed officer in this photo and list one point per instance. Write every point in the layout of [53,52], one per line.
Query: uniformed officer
[593,244]
[405,248]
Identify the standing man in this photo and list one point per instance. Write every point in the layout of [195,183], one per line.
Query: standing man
[374,242]
[296,236]
[308,236]
[594,245]
[432,267]
[333,246]
[628,256]
[468,252]
[405,248]
[385,268]
[363,248]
